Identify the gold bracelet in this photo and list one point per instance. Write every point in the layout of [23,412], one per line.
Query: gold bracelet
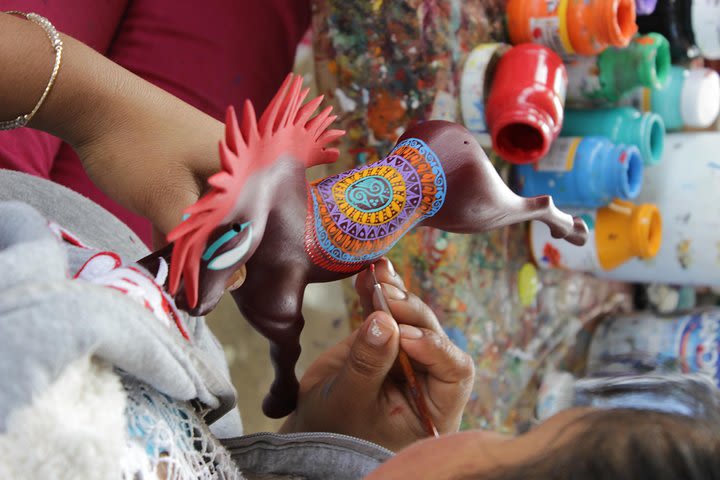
[57,45]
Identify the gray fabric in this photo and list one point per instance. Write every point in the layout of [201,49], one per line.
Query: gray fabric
[95,225]
[100,229]
[47,320]
[311,456]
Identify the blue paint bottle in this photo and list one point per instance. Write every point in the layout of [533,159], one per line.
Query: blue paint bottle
[583,172]
[621,125]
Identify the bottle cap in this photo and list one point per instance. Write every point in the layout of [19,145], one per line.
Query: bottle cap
[645,7]
[700,98]
[705,20]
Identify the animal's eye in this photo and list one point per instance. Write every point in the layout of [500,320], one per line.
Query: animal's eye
[235,254]
[235,228]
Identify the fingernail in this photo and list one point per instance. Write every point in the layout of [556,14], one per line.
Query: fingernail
[394,293]
[378,331]
[391,267]
[397,280]
[408,331]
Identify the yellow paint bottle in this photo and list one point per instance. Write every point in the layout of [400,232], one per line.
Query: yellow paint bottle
[618,232]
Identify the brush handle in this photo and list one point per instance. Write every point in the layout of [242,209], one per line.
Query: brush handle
[415,389]
[416,394]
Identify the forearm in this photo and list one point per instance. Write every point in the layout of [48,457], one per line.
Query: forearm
[121,125]
[81,86]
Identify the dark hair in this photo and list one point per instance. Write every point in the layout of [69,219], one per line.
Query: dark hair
[626,444]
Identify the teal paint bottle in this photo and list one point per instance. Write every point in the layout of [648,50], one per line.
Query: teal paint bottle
[688,98]
[621,125]
[604,79]
[583,172]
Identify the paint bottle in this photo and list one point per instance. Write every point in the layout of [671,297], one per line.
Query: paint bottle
[605,78]
[693,394]
[571,27]
[477,74]
[618,232]
[583,172]
[689,98]
[524,108]
[685,186]
[621,125]
[645,7]
[691,26]
[646,342]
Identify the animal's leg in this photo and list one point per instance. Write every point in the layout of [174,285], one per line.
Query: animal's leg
[562,225]
[278,318]
[508,210]
[284,337]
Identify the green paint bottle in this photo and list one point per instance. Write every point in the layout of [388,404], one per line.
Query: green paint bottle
[603,79]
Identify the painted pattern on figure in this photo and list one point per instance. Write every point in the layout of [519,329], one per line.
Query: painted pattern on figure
[357,216]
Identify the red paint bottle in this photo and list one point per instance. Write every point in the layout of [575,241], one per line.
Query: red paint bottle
[524,110]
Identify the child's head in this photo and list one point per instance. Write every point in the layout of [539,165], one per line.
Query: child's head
[579,443]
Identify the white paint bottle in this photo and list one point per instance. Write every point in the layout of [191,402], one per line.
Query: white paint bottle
[685,186]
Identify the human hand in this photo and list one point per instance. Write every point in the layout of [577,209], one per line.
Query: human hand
[148,150]
[145,148]
[354,389]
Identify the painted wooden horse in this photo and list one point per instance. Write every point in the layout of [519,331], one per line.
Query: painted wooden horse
[262,212]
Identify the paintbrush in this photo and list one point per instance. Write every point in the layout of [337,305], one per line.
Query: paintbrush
[415,390]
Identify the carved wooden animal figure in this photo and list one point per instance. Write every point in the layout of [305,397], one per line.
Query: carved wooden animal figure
[262,212]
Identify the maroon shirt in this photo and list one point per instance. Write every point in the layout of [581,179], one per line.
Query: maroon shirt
[210,54]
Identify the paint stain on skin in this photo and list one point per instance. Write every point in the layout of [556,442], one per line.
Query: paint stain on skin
[375,328]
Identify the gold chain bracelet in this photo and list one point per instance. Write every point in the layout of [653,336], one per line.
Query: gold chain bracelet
[57,45]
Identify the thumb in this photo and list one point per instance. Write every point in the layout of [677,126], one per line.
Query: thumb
[371,357]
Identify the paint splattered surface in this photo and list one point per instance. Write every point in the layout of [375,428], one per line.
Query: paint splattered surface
[385,66]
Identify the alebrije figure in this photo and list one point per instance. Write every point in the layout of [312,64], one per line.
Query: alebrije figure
[262,213]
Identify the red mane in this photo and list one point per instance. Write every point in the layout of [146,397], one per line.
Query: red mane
[286,127]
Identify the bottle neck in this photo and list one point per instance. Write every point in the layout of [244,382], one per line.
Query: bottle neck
[624,230]
[619,171]
[645,62]
[653,59]
[646,131]
[614,21]
[645,231]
